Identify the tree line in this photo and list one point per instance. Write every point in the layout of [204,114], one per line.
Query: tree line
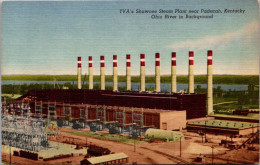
[199,79]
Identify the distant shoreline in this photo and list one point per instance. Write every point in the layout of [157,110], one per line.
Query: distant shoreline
[199,79]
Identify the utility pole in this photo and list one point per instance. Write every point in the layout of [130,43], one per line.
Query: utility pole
[205,132]
[212,154]
[180,146]
[134,145]
[10,154]
[228,160]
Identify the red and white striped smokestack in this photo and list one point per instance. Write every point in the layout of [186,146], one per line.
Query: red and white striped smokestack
[128,72]
[173,72]
[79,72]
[142,72]
[210,83]
[102,72]
[157,72]
[115,82]
[191,72]
[90,72]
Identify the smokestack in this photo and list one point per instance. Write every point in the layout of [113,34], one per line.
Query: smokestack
[157,72]
[142,72]
[102,72]
[79,72]
[90,72]
[115,83]
[173,69]
[128,72]
[191,72]
[210,82]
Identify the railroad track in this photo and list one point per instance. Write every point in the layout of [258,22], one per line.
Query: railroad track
[179,160]
[235,161]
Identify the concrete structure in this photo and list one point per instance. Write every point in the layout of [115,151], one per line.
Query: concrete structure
[142,72]
[115,81]
[173,120]
[102,73]
[173,73]
[157,73]
[223,127]
[119,158]
[210,84]
[79,72]
[128,72]
[90,72]
[164,135]
[191,72]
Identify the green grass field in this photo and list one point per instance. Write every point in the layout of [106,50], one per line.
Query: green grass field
[199,79]
[14,96]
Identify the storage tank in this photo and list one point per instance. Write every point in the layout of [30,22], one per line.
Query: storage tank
[159,134]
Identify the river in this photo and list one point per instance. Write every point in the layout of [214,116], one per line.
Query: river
[165,87]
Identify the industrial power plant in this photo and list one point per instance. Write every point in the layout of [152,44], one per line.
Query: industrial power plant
[151,117]
[105,106]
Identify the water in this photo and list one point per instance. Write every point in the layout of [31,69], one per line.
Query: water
[165,87]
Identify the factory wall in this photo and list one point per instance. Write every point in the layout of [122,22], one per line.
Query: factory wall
[157,118]
[174,120]
[194,104]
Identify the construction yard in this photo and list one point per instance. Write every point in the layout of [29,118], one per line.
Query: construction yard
[143,151]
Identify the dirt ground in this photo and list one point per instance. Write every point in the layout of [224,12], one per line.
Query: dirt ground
[161,153]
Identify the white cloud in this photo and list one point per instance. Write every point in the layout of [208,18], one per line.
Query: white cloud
[245,35]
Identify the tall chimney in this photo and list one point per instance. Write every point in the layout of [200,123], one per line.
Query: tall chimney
[79,72]
[128,72]
[142,72]
[90,72]
[173,69]
[191,72]
[115,82]
[102,72]
[157,72]
[210,82]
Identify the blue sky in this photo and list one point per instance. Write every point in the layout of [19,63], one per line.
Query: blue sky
[47,37]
